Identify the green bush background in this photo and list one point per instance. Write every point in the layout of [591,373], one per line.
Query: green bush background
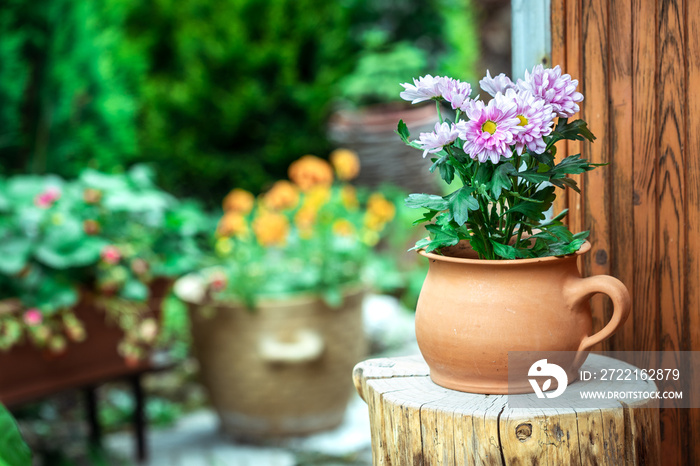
[214,93]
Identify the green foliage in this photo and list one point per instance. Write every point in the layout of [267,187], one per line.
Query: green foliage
[236,90]
[111,235]
[402,40]
[13,450]
[62,86]
[499,208]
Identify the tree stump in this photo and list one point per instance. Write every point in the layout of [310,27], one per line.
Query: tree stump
[416,422]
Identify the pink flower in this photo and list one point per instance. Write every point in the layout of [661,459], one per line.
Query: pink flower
[46,199]
[536,119]
[556,89]
[424,88]
[32,317]
[493,86]
[111,255]
[443,135]
[456,92]
[491,129]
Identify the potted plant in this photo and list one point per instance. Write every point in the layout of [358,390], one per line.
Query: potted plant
[502,276]
[277,324]
[84,266]
[368,110]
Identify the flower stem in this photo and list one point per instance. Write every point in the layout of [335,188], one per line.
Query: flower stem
[437,106]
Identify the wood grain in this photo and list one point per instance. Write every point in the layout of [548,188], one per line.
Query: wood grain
[574,68]
[558,33]
[644,143]
[692,209]
[671,189]
[596,87]
[621,168]
[415,422]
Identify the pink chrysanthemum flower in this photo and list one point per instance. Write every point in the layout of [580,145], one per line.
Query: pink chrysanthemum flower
[443,135]
[490,130]
[456,93]
[32,317]
[493,86]
[536,119]
[424,88]
[556,89]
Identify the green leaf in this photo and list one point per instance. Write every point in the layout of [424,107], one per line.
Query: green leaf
[533,176]
[577,130]
[134,290]
[427,201]
[402,131]
[501,179]
[447,172]
[13,449]
[427,217]
[14,254]
[441,237]
[572,165]
[534,209]
[460,203]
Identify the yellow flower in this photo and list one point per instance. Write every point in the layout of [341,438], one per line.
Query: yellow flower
[317,197]
[271,229]
[310,171]
[343,227]
[282,195]
[304,220]
[239,200]
[232,224]
[346,164]
[223,246]
[379,212]
[348,197]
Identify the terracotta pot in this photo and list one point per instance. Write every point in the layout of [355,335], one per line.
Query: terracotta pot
[28,373]
[281,369]
[472,312]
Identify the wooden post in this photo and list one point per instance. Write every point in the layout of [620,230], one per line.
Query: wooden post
[415,422]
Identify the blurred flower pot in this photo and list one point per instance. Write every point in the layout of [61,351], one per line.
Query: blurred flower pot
[281,369]
[28,372]
[371,132]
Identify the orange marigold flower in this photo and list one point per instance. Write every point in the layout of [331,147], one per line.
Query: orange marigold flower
[310,171]
[305,219]
[271,229]
[346,164]
[239,200]
[343,227]
[282,195]
[348,196]
[379,212]
[232,224]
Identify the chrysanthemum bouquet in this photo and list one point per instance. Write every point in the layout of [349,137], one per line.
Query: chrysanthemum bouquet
[313,234]
[503,153]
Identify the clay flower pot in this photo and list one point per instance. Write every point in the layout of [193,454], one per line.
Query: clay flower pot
[472,312]
[281,369]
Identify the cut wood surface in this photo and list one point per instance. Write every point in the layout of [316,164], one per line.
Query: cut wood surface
[416,422]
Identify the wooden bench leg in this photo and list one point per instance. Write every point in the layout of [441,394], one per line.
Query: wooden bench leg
[139,418]
[91,411]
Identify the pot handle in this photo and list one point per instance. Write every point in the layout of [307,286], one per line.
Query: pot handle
[306,346]
[620,297]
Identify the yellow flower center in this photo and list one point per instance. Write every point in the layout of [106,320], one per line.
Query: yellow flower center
[523,120]
[489,126]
